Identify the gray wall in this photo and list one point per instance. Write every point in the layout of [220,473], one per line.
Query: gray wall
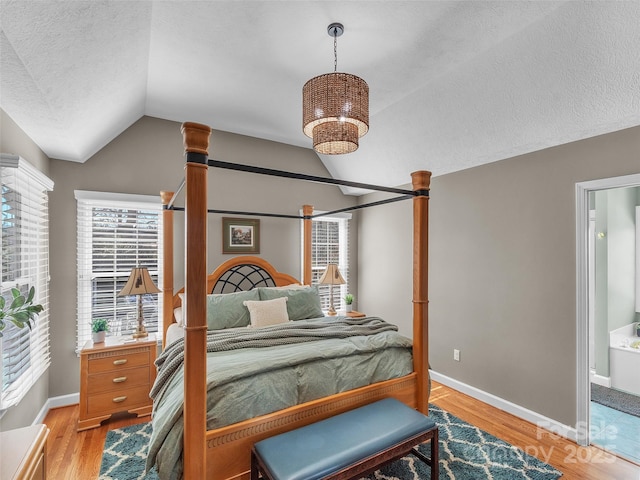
[148,158]
[502,250]
[502,269]
[14,140]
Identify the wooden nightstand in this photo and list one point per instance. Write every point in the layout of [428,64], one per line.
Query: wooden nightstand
[116,376]
[23,453]
[354,314]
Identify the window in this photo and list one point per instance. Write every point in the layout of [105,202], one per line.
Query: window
[116,233]
[330,244]
[25,264]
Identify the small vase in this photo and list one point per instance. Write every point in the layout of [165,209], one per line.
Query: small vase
[348,308]
[98,337]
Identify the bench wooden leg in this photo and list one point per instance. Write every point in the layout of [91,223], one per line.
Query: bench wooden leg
[255,474]
[435,457]
[433,462]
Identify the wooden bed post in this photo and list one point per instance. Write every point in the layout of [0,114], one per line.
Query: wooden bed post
[196,143]
[307,211]
[167,265]
[421,181]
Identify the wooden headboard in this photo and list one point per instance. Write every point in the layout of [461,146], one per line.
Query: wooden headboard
[242,273]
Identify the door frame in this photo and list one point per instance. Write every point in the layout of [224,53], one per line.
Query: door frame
[582,295]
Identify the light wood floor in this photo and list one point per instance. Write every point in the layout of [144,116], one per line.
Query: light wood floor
[73,455]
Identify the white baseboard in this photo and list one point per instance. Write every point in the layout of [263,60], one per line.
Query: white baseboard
[600,380]
[55,402]
[540,420]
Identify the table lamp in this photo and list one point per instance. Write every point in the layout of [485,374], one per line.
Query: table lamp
[139,283]
[331,277]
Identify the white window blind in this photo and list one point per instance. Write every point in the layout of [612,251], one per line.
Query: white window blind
[117,232]
[25,264]
[330,244]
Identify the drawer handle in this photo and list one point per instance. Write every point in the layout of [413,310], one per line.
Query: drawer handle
[119,399]
[122,361]
[119,379]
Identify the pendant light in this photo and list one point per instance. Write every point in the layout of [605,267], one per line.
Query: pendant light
[335,107]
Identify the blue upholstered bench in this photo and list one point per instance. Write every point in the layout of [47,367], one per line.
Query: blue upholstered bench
[348,445]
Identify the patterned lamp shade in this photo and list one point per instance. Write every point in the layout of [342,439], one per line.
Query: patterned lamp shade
[139,283]
[331,277]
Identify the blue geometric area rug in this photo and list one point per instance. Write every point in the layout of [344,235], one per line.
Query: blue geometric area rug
[466,453]
[125,454]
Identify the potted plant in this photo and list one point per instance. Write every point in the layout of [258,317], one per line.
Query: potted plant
[348,300]
[99,329]
[20,311]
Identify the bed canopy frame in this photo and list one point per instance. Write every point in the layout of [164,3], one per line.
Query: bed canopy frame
[220,453]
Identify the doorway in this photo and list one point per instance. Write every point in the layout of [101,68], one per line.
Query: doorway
[595,423]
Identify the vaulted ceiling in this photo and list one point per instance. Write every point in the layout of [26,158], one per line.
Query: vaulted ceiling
[453,84]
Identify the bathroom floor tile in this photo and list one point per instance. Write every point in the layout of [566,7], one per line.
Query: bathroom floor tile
[615,431]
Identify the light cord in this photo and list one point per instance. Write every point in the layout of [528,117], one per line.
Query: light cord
[335,49]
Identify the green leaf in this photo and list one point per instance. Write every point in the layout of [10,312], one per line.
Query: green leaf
[15,292]
[21,316]
[2,302]
[32,292]
[17,323]
[17,302]
[34,309]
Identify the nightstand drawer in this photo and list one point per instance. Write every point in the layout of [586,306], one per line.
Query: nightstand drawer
[118,362]
[118,380]
[118,400]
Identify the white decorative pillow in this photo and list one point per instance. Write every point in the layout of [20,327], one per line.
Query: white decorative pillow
[177,313]
[267,312]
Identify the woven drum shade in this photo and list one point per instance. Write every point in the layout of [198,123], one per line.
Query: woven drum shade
[332,138]
[335,112]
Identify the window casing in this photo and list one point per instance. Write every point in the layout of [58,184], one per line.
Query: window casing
[638,259]
[25,264]
[117,232]
[330,244]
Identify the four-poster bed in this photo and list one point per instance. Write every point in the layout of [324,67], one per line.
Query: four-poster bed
[224,453]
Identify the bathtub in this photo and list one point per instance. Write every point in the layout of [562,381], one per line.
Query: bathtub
[624,361]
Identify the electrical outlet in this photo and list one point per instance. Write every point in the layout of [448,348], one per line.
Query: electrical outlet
[456,354]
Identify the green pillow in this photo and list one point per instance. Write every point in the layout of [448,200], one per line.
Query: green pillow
[303,302]
[226,310]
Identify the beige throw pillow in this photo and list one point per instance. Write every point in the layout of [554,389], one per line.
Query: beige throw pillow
[267,312]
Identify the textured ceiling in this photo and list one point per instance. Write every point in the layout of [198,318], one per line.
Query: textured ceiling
[452,84]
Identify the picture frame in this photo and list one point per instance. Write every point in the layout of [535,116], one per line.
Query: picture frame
[240,235]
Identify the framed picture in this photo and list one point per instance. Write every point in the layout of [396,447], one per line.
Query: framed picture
[240,235]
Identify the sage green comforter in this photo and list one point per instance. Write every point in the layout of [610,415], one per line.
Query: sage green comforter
[248,382]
